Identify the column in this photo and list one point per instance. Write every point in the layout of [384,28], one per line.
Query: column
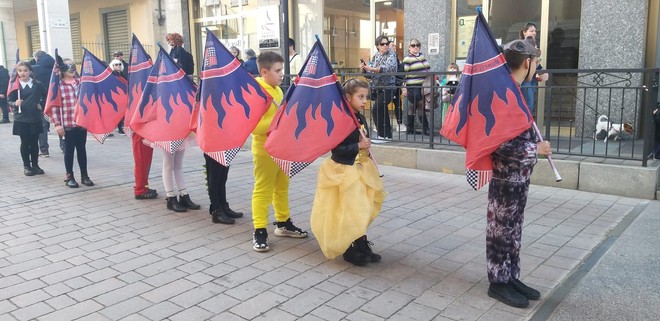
[8,42]
[55,27]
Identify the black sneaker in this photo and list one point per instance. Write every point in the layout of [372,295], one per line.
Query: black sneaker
[148,195]
[508,295]
[260,240]
[28,171]
[37,170]
[355,256]
[86,181]
[287,229]
[529,293]
[70,181]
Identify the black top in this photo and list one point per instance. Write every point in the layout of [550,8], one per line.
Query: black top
[183,59]
[348,149]
[30,112]
[4,80]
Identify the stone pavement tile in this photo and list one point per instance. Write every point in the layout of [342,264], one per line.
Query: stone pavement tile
[95,317]
[248,289]
[124,293]
[20,288]
[23,266]
[387,303]
[192,314]
[155,265]
[96,289]
[286,290]
[345,302]
[169,290]
[306,279]
[330,287]
[257,305]
[102,274]
[135,317]
[45,270]
[360,315]
[32,312]
[26,256]
[327,313]
[452,286]
[200,278]
[461,311]
[73,312]
[219,303]
[6,306]
[10,280]
[30,298]
[125,308]
[197,295]
[161,311]
[415,312]
[234,277]
[60,301]
[498,315]
[227,316]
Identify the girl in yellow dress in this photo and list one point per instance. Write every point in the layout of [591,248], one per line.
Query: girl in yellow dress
[349,193]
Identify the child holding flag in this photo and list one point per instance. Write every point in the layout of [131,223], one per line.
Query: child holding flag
[64,123]
[271,184]
[27,101]
[349,193]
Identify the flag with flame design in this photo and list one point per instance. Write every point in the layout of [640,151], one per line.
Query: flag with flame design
[163,113]
[102,99]
[14,83]
[488,108]
[314,117]
[139,67]
[54,97]
[231,103]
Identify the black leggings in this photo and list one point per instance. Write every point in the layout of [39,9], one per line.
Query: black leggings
[75,139]
[30,149]
[216,175]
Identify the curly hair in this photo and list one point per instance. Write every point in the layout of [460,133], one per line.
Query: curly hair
[177,38]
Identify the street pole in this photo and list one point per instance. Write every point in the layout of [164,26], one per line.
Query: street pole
[285,39]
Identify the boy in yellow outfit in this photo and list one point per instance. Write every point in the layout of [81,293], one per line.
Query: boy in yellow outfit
[271,184]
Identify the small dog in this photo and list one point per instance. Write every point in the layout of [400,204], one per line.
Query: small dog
[605,129]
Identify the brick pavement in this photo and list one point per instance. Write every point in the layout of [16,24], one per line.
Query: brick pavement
[95,253]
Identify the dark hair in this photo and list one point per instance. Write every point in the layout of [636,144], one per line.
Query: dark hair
[352,85]
[380,38]
[250,53]
[528,25]
[38,54]
[517,51]
[238,51]
[26,64]
[292,43]
[267,59]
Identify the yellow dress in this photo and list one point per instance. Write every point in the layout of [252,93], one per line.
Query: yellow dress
[347,199]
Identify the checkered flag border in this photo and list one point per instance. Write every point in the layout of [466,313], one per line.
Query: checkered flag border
[477,179]
[224,157]
[290,168]
[170,146]
[101,137]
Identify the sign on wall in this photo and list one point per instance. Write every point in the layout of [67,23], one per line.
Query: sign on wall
[269,27]
[464,31]
[434,44]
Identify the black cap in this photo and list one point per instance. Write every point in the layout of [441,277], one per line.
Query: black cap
[523,47]
[117,53]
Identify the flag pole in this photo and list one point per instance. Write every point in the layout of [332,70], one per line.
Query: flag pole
[371,154]
[552,164]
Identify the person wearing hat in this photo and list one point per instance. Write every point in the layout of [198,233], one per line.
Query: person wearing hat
[513,162]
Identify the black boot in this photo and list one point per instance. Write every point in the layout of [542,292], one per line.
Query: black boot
[70,181]
[355,256]
[410,126]
[36,169]
[185,201]
[219,216]
[231,212]
[529,293]
[425,124]
[173,205]
[365,247]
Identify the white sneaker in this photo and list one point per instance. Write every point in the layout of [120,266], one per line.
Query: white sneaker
[402,128]
[287,229]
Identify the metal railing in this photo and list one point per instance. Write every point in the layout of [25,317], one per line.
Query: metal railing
[104,50]
[572,101]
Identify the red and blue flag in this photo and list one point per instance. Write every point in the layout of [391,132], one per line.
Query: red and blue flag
[14,83]
[164,111]
[54,98]
[231,103]
[102,99]
[488,108]
[314,117]
[139,67]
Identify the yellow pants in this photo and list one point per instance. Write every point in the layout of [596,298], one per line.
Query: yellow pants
[271,186]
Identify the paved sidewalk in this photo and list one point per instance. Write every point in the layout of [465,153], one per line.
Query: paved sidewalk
[96,253]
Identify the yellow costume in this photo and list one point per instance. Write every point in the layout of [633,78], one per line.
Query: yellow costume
[271,185]
[347,199]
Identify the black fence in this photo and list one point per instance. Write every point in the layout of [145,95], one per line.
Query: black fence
[573,102]
[104,50]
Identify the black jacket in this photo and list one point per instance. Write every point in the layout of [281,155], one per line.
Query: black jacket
[184,59]
[348,149]
[4,80]
[42,70]
[656,119]
[30,112]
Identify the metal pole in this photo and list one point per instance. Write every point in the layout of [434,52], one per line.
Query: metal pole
[285,40]
[4,44]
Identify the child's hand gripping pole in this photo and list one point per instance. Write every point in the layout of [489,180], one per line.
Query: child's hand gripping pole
[552,164]
[371,154]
